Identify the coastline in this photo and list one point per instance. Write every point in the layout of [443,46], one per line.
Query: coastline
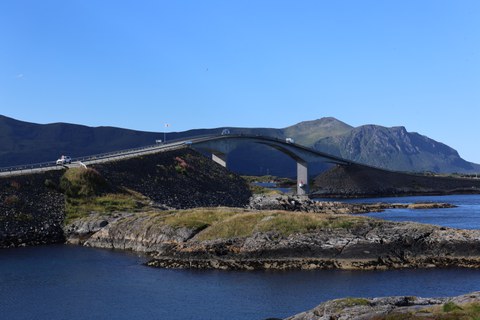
[396,307]
[330,239]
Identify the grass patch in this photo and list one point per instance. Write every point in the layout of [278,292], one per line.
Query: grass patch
[256,189]
[217,223]
[287,223]
[267,178]
[240,225]
[81,182]
[450,306]
[76,208]
[199,218]
[86,191]
[448,311]
[350,302]
[282,222]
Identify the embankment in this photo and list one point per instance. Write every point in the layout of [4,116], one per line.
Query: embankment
[362,181]
[32,207]
[31,210]
[178,179]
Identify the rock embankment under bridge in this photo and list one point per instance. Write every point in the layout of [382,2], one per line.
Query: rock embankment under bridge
[32,206]
[354,181]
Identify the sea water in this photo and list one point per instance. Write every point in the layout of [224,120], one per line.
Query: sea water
[73,282]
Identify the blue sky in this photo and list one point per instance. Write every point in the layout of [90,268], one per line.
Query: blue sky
[194,64]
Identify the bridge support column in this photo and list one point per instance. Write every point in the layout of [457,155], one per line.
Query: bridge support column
[302,178]
[220,158]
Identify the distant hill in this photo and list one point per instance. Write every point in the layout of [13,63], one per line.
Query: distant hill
[391,148]
[395,149]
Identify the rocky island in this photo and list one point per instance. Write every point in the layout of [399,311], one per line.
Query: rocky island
[399,308]
[248,239]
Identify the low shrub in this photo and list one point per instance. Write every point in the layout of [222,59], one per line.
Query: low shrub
[81,182]
[450,306]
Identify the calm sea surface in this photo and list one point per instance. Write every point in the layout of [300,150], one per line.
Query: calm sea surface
[69,282]
[465,216]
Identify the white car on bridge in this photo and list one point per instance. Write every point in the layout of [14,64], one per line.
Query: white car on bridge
[64,160]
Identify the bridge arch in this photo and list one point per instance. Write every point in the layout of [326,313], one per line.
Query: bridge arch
[221,146]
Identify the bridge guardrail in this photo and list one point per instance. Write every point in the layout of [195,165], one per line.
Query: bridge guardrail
[99,156]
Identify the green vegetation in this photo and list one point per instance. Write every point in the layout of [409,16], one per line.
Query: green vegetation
[199,218]
[224,223]
[80,182]
[449,311]
[241,225]
[285,223]
[256,189]
[86,191]
[181,165]
[81,207]
[350,302]
[450,306]
[268,178]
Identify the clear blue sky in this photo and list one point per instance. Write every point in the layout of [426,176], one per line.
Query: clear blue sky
[139,64]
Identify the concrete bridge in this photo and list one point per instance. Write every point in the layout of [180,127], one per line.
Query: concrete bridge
[221,146]
[218,146]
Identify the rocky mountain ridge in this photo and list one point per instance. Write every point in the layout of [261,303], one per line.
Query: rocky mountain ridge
[395,149]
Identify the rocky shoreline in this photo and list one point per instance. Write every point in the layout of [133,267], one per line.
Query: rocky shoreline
[305,204]
[465,306]
[332,240]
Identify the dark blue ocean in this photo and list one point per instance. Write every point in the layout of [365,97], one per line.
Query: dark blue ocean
[465,216]
[71,282]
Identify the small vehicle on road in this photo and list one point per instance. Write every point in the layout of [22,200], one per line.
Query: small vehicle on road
[64,160]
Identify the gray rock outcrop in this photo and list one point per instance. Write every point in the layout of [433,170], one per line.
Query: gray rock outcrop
[363,244]
[402,307]
[305,204]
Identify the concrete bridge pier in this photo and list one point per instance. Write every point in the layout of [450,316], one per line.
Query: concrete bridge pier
[302,178]
[220,158]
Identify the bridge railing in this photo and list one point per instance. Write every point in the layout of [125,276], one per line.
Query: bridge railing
[130,151]
[28,166]
[99,156]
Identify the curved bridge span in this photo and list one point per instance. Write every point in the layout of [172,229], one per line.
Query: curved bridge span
[219,146]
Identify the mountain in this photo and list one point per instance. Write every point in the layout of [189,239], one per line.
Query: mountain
[391,148]
[395,149]
[309,132]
